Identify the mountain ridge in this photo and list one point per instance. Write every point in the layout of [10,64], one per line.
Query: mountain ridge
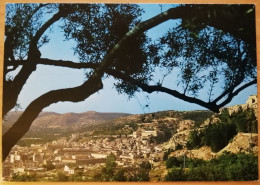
[66,120]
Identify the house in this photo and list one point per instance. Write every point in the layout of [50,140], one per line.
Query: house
[68,170]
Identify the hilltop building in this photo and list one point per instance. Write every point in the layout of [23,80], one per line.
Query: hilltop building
[250,103]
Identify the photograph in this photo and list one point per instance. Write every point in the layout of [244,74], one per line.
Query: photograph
[129,92]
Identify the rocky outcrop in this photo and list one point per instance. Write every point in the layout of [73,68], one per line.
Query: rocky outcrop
[185,125]
[242,142]
[201,153]
[180,139]
[250,103]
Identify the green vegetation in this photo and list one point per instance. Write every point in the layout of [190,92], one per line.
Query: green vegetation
[195,139]
[44,135]
[49,166]
[23,177]
[218,135]
[111,172]
[61,177]
[227,167]
[162,137]
[197,116]
[112,130]
[167,153]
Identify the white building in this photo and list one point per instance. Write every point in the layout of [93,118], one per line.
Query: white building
[68,170]
[98,155]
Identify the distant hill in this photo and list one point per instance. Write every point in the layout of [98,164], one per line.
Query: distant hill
[65,121]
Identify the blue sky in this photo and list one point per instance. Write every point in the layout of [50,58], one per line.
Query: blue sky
[47,78]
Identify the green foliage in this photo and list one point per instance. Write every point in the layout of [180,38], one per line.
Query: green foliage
[165,136]
[140,176]
[205,54]
[227,167]
[239,167]
[20,27]
[164,114]
[97,177]
[175,174]
[77,177]
[197,116]
[245,120]
[195,139]
[96,28]
[179,147]
[166,153]
[111,130]
[61,177]
[146,165]
[173,162]
[218,135]
[108,171]
[142,173]
[23,177]
[43,135]
[120,176]
[49,166]
[133,125]
[113,173]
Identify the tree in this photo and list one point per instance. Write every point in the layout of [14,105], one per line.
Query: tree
[176,174]
[49,166]
[228,166]
[109,170]
[120,176]
[109,173]
[23,177]
[211,43]
[61,177]
[195,139]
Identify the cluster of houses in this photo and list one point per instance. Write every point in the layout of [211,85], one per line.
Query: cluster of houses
[79,153]
[69,155]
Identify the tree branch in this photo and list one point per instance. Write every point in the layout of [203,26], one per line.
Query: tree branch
[148,88]
[172,13]
[22,125]
[231,95]
[12,89]
[158,88]
[10,41]
[239,80]
[58,63]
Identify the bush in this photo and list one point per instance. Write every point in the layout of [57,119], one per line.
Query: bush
[195,139]
[217,136]
[197,116]
[173,162]
[176,174]
[227,167]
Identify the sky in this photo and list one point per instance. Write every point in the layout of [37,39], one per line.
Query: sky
[47,78]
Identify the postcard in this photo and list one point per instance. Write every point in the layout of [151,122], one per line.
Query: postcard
[119,92]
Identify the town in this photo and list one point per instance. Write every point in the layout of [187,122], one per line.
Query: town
[68,155]
[133,140]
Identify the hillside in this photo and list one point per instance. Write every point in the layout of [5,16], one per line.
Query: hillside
[65,121]
[233,130]
[169,145]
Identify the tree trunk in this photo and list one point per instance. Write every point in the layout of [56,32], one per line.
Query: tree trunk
[22,125]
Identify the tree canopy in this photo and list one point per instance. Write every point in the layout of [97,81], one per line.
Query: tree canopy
[212,47]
